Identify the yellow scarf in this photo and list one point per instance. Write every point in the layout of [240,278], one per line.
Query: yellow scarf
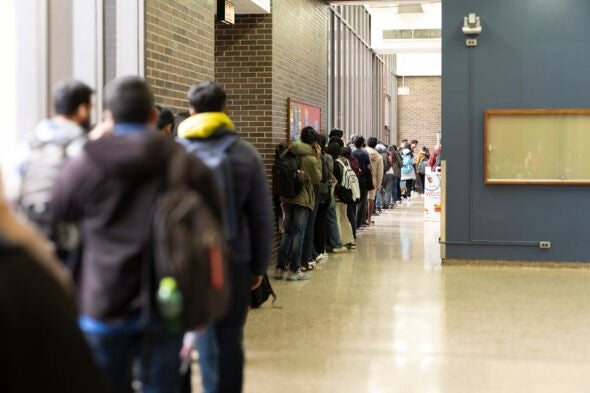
[202,125]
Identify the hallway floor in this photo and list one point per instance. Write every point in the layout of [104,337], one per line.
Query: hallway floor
[389,318]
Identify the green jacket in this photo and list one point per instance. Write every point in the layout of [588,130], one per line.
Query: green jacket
[312,168]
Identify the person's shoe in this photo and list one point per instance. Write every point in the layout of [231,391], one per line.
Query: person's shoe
[297,276]
[279,273]
[321,256]
[312,262]
[339,250]
[351,246]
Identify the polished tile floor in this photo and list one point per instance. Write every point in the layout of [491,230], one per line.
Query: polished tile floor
[389,318]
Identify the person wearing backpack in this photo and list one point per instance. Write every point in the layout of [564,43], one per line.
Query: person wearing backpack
[248,201]
[299,208]
[52,143]
[407,171]
[422,163]
[112,189]
[377,174]
[343,195]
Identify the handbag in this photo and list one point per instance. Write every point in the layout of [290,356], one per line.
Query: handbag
[261,294]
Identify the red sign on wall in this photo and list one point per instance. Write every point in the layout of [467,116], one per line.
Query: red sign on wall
[302,115]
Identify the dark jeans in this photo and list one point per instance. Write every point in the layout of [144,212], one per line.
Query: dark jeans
[361,208]
[221,347]
[156,350]
[387,190]
[396,192]
[422,179]
[351,213]
[321,228]
[409,188]
[309,238]
[292,239]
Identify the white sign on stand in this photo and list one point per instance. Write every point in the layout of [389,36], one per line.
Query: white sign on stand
[432,195]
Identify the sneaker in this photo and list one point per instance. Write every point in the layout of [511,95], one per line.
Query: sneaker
[339,250]
[297,276]
[321,256]
[352,246]
[279,273]
[312,262]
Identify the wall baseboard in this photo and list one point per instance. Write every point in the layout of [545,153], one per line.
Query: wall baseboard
[496,263]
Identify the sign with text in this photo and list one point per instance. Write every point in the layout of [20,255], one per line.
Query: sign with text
[432,195]
[226,12]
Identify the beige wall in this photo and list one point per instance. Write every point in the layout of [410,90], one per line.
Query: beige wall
[419,114]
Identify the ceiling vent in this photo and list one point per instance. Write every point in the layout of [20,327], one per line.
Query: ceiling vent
[409,34]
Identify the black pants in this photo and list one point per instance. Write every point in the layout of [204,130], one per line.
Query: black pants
[351,214]
[321,227]
[409,187]
[422,179]
[361,208]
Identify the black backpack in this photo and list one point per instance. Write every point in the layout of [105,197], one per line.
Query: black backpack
[287,178]
[190,246]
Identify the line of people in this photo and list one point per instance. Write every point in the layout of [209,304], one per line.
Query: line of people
[93,194]
[320,220]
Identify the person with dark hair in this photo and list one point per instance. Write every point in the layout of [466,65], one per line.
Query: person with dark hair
[377,175]
[179,118]
[342,222]
[111,189]
[276,199]
[220,347]
[65,133]
[396,165]
[352,208]
[365,180]
[297,209]
[165,122]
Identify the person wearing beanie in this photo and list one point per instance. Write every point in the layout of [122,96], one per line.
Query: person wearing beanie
[298,209]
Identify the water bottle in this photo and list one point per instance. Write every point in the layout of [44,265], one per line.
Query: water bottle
[170,304]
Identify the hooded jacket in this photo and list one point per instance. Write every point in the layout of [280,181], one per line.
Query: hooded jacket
[253,244]
[312,168]
[376,167]
[412,174]
[111,189]
[396,162]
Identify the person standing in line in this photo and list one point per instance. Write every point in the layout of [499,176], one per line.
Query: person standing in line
[165,122]
[351,208]
[421,164]
[53,142]
[111,189]
[365,180]
[297,210]
[220,347]
[396,165]
[377,174]
[408,172]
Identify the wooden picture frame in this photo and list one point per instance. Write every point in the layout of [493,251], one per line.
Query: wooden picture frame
[537,146]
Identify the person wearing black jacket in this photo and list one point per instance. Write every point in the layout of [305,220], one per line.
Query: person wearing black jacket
[221,347]
[111,190]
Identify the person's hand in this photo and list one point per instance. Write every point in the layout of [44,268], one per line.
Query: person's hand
[318,151]
[256,282]
[101,130]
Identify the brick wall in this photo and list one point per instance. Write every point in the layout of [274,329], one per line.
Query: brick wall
[419,114]
[179,47]
[243,64]
[300,59]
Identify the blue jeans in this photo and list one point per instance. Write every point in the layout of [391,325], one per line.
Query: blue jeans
[221,347]
[333,233]
[292,240]
[209,359]
[157,351]
[307,252]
